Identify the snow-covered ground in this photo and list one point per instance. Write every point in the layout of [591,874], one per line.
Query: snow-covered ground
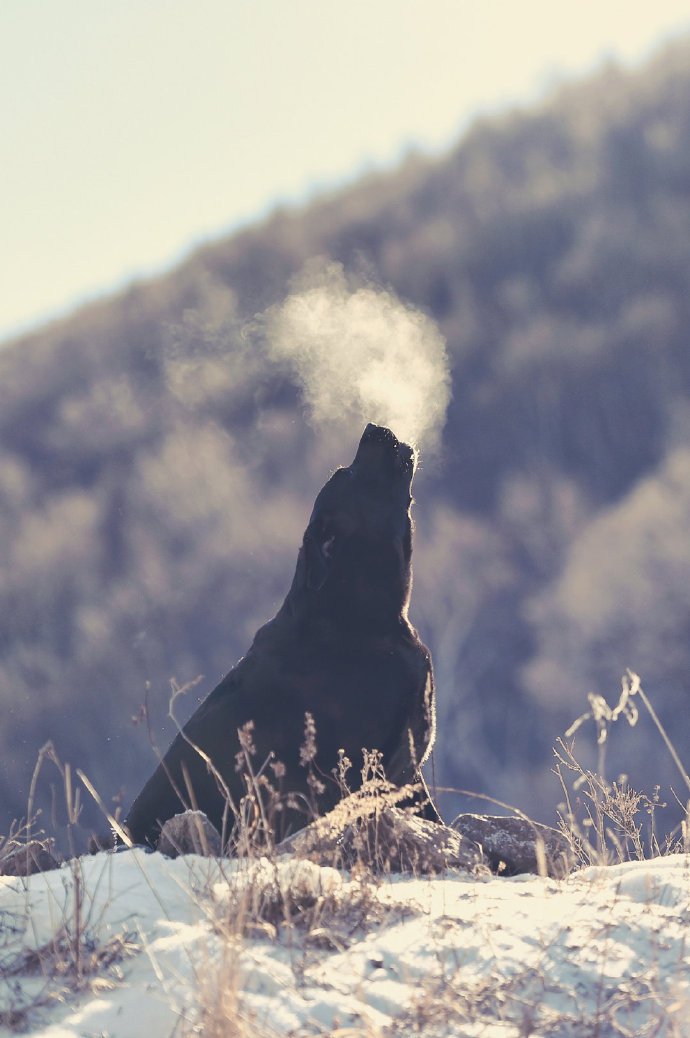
[160,951]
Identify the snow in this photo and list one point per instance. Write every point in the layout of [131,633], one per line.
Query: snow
[601,952]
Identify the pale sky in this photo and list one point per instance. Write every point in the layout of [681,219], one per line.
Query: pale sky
[132,130]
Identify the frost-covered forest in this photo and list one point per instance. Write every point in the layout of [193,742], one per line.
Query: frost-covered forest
[157,468]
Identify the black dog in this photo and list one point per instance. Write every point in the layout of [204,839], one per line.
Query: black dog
[341,648]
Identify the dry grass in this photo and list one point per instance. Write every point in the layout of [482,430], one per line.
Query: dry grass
[310,908]
[529,1003]
[70,963]
[302,900]
[78,957]
[55,976]
[608,822]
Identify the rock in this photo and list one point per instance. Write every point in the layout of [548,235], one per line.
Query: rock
[189,833]
[368,831]
[391,840]
[25,859]
[514,845]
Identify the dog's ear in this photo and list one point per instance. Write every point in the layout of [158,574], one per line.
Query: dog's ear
[319,550]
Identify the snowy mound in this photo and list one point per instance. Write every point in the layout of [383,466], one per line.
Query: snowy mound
[135,944]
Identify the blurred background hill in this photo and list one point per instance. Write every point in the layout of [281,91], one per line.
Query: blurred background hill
[157,469]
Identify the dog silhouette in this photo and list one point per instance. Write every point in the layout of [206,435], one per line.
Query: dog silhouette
[340,649]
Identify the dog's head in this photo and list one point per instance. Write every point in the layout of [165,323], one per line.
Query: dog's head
[356,554]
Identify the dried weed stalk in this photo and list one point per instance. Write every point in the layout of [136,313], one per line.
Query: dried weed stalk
[604,821]
[77,957]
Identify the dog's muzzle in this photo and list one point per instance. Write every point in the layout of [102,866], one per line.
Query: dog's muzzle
[380,453]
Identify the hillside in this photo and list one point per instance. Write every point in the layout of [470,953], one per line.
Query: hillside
[157,469]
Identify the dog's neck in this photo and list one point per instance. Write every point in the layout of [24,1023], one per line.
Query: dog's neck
[349,602]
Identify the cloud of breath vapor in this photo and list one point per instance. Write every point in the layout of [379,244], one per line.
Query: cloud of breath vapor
[362,355]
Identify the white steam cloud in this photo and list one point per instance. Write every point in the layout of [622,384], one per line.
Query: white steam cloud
[361,355]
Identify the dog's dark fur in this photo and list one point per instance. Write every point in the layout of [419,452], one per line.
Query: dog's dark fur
[341,647]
